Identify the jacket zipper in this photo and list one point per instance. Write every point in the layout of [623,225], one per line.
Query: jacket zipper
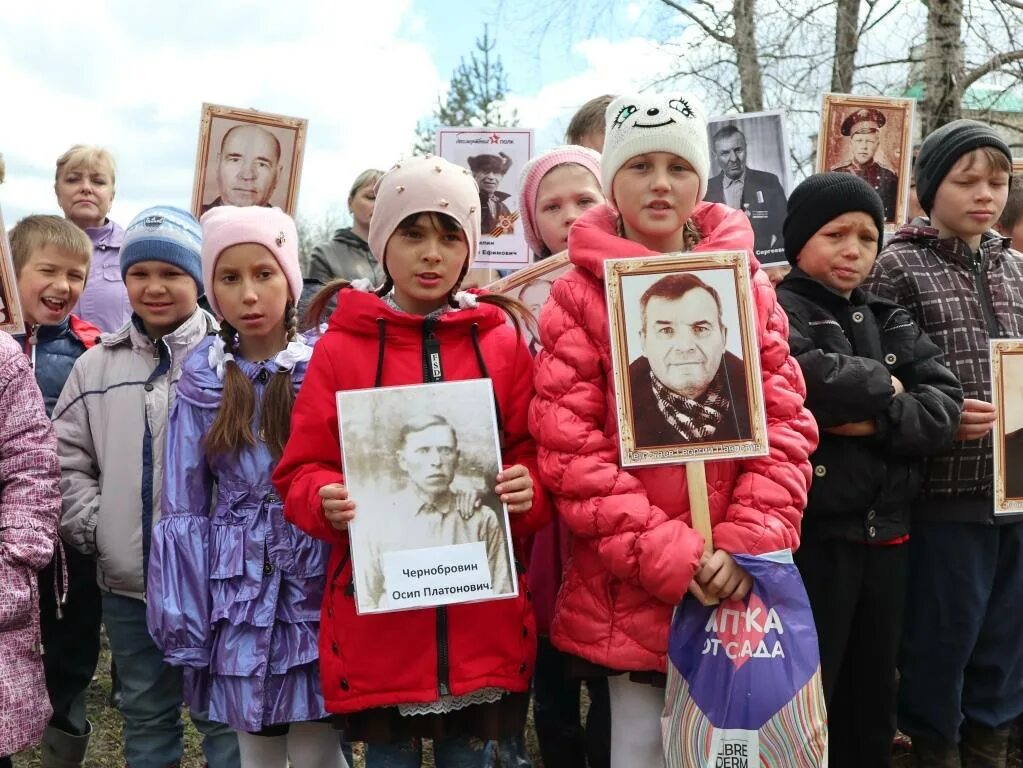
[433,372]
[984,294]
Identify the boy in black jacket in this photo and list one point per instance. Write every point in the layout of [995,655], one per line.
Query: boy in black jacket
[884,401]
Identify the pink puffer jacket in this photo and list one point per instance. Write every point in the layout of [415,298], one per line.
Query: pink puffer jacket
[29,508]
[633,550]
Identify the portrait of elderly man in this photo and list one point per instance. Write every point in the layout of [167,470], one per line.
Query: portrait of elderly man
[759,194]
[686,387]
[489,171]
[248,164]
[428,512]
[863,127]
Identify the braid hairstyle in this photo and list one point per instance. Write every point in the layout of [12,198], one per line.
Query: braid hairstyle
[275,414]
[232,427]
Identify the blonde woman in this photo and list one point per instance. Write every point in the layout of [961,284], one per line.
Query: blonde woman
[347,253]
[84,185]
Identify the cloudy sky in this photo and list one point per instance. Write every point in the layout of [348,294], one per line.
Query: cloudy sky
[131,75]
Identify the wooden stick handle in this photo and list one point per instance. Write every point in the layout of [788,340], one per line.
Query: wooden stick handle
[699,507]
[699,504]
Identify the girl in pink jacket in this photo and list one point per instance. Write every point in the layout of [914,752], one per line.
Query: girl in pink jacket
[634,553]
[29,509]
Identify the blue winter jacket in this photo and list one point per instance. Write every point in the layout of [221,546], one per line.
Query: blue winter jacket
[234,590]
[53,350]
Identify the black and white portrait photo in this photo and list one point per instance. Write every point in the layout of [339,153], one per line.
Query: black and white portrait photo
[749,160]
[494,157]
[421,463]
[685,361]
[247,158]
[1007,385]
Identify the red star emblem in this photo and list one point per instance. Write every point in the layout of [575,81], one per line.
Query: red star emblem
[494,138]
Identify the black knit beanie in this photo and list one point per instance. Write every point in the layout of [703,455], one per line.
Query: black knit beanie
[823,197]
[943,147]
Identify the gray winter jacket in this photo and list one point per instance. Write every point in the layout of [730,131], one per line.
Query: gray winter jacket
[110,422]
[344,255]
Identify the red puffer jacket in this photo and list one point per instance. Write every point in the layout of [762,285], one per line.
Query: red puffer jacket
[634,552]
[411,656]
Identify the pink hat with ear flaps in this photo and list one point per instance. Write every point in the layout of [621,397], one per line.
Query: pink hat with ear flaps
[533,173]
[427,184]
[228,225]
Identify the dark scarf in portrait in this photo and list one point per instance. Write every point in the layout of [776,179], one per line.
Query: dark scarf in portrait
[698,419]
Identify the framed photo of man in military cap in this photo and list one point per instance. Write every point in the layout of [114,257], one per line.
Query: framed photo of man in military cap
[246,157]
[685,359]
[870,137]
[1007,391]
[494,157]
[532,286]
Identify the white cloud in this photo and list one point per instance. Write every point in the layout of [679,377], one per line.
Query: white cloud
[610,67]
[132,78]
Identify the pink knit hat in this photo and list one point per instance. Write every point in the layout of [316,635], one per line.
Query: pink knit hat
[420,185]
[228,225]
[532,175]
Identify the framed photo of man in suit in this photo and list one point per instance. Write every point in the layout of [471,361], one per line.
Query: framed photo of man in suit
[1007,390]
[421,463]
[532,286]
[870,137]
[11,318]
[685,360]
[750,163]
[246,157]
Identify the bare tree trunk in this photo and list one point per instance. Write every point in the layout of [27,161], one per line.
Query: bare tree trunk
[847,22]
[747,57]
[943,64]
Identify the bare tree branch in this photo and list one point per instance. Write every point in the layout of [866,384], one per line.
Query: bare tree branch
[994,63]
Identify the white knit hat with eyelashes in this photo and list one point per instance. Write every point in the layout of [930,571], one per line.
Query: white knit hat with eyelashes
[655,122]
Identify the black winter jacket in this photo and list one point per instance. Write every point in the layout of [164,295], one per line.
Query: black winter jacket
[849,349]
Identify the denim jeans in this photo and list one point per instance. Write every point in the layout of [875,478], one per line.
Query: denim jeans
[462,752]
[152,697]
[507,753]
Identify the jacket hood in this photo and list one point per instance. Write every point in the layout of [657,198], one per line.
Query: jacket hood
[346,236]
[360,312]
[593,238]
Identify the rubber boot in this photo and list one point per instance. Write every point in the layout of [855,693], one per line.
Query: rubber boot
[63,750]
[930,752]
[983,747]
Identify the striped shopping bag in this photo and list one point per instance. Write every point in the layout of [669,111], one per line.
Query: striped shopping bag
[744,682]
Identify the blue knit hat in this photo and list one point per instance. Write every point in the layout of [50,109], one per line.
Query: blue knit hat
[166,234]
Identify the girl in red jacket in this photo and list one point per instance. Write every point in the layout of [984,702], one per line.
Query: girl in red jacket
[459,674]
[634,554]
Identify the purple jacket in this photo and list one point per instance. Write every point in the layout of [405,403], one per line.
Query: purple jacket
[104,302]
[234,590]
[29,509]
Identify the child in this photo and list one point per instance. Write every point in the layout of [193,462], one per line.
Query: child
[884,400]
[634,555]
[231,573]
[29,510]
[110,421]
[586,128]
[961,651]
[51,262]
[458,673]
[1010,223]
[557,187]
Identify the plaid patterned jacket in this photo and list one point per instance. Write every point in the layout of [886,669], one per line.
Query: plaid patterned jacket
[961,300]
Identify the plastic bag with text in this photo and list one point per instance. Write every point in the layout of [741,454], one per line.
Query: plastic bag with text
[744,682]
